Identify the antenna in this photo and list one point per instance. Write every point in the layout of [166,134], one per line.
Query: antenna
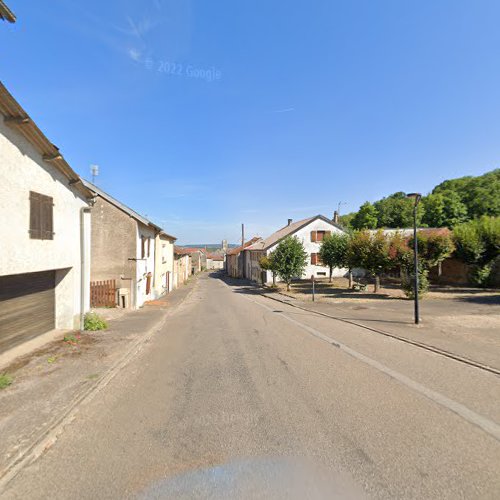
[94,170]
[339,205]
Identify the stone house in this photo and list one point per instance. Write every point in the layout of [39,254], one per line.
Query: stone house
[182,266]
[235,264]
[45,234]
[122,249]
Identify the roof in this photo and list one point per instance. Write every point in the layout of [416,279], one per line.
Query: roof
[189,250]
[181,251]
[6,14]
[119,205]
[163,234]
[287,231]
[237,250]
[215,256]
[17,118]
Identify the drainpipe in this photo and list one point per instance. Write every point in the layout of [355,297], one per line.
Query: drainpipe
[83,261]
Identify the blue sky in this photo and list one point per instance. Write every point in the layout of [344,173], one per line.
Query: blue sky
[312,102]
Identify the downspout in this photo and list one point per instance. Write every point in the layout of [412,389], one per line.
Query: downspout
[83,262]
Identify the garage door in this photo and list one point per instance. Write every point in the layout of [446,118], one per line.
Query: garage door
[27,307]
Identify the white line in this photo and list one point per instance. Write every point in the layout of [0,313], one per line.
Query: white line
[492,428]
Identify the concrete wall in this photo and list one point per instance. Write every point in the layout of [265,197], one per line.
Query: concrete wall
[182,269]
[22,170]
[146,265]
[113,246]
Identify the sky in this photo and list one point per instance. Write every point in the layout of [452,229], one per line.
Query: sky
[203,115]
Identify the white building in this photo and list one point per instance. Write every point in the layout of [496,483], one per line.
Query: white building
[45,232]
[164,265]
[310,232]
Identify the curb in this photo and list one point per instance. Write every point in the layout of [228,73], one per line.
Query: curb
[49,436]
[427,347]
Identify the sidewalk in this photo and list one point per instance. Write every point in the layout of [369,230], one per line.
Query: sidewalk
[48,383]
[467,329]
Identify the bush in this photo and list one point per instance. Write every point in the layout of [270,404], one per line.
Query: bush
[407,284]
[5,380]
[93,322]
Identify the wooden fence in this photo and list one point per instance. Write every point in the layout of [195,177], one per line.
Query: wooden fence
[103,293]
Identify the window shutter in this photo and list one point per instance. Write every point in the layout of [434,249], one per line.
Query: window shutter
[143,248]
[328,233]
[314,258]
[35,214]
[47,225]
[149,247]
[313,235]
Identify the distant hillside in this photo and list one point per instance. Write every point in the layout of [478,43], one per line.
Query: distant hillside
[450,203]
[211,247]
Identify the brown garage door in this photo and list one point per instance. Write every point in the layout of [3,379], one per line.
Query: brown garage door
[27,307]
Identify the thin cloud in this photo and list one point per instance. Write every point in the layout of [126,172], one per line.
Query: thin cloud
[285,110]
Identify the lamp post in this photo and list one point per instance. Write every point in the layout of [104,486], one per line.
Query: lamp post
[416,197]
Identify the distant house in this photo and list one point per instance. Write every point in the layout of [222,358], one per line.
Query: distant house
[164,264]
[310,232]
[182,266]
[198,258]
[123,249]
[45,232]
[235,264]
[215,261]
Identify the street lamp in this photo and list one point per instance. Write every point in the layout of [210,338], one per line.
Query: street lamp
[416,197]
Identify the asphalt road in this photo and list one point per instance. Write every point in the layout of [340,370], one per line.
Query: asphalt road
[240,396]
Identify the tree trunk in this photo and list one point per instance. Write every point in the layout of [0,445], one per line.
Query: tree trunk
[287,286]
[331,272]
[274,279]
[377,283]
[350,278]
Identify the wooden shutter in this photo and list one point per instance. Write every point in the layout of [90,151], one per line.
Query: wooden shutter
[47,212]
[143,247]
[148,284]
[314,258]
[313,235]
[35,213]
[149,247]
[328,233]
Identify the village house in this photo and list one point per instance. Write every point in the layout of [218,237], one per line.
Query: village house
[45,234]
[164,264]
[122,250]
[215,261]
[310,232]
[182,266]
[198,258]
[235,265]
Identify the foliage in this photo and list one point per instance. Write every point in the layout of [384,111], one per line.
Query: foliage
[408,283]
[333,252]
[290,259]
[370,252]
[5,380]
[346,220]
[451,203]
[478,244]
[433,248]
[268,263]
[93,322]
[365,218]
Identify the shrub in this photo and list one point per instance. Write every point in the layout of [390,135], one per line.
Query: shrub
[93,322]
[407,284]
[5,380]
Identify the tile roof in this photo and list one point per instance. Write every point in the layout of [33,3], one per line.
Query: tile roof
[287,231]
[237,250]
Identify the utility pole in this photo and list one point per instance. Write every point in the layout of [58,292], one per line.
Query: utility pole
[242,234]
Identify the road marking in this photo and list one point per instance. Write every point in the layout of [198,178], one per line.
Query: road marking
[490,427]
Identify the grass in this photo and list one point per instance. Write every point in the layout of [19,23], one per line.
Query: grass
[94,323]
[5,381]
[52,359]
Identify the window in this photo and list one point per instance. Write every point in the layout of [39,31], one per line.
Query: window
[315,259]
[321,273]
[143,247]
[319,235]
[41,217]
[149,246]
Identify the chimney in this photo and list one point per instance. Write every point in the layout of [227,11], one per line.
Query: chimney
[289,221]
[335,217]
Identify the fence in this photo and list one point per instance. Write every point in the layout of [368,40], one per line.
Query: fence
[103,293]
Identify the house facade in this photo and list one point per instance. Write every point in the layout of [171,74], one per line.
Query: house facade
[310,232]
[235,259]
[164,264]
[45,249]
[122,249]
[182,266]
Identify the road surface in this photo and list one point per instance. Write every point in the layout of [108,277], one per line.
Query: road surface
[239,395]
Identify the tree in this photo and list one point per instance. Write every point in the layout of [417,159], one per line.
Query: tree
[478,244]
[395,210]
[370,252]
[433,247]
[290,259]
[443,209]
[333,252]
[365,218]
[267,263]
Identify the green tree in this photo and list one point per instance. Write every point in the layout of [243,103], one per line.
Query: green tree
[370,252]
[433,248]
[333,252]
[443,209]
[290,259]
[478,244]
[365,218]
[267,263]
